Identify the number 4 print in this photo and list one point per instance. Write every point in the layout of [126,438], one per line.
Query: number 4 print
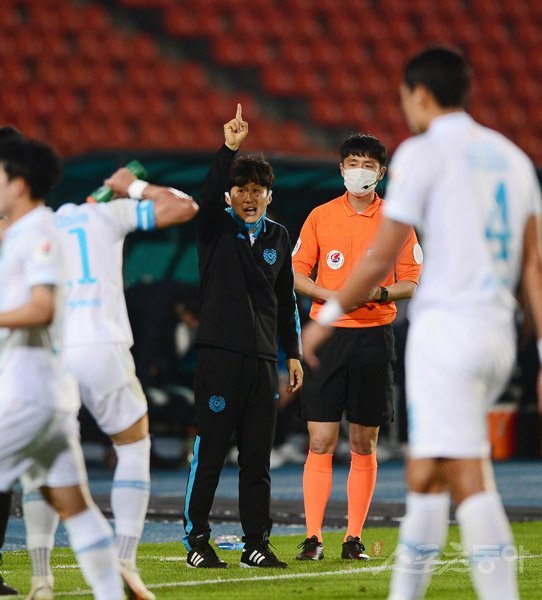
[498,227]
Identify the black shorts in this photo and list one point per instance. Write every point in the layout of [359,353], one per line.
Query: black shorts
[355,375]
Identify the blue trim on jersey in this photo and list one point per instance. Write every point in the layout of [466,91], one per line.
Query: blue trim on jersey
[136,484]
[146,217]
[189,487]
[32,497]
[99,545]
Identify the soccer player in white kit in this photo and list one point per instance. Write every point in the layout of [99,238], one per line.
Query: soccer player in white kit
[96,342]
[476,198]
[38,397]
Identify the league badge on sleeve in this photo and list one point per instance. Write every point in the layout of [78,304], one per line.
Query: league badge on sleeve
[418,254]
[45,251]
[296,247]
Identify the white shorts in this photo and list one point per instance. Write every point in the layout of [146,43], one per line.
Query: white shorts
[108,384]
[32,439]
[455,369]
[69,466]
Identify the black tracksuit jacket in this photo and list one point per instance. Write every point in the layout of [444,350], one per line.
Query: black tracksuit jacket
[246,292]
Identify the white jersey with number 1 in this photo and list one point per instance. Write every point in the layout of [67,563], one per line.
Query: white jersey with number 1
[92,237]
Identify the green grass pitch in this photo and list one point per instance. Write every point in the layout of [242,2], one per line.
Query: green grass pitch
[164,569]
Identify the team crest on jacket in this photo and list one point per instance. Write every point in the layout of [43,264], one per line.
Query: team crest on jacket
[270,256]
[335,259]
[217,403]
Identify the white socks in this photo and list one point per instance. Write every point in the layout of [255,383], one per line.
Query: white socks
[91,539]
[41,522]
[487,540]
[421,537]
[130,495]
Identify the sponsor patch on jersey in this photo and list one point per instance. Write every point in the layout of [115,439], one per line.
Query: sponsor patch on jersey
[296,247]
[270,256]
[217,403]
[335,259]
[44,251]
[417,252]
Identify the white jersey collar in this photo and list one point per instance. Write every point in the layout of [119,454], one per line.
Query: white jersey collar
[450,121]
[28,218]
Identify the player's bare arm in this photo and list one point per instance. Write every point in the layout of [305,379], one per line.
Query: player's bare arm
[171,206]
[39,311]
[373,268]
[532,282]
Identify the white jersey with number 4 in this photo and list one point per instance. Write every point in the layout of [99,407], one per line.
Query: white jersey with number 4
[92,237]
[471,192]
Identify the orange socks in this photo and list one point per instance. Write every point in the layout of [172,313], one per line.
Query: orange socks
[317,481]
[359,489]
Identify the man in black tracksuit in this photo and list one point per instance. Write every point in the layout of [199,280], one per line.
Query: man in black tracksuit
[247,298]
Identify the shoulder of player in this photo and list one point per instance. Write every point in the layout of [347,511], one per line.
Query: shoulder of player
[510,147]
[413,146]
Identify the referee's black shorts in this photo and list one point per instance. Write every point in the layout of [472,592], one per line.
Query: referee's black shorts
[355,375]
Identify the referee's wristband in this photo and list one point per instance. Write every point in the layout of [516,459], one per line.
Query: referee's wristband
[330,312]
[539,346]
[135,189]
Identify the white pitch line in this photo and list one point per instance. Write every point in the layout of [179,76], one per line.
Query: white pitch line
[286,576]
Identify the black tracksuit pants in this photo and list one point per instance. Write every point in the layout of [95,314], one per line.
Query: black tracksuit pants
[234,393]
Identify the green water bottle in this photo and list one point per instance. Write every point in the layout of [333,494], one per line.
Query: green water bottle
[104,193]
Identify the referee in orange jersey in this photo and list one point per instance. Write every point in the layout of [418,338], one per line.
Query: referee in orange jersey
[356,373]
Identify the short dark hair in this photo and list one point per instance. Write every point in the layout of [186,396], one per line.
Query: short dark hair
[7,131]
[251,168]
[444,71]
[37,163]
[359,144]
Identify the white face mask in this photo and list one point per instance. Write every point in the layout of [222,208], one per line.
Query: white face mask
[360,181]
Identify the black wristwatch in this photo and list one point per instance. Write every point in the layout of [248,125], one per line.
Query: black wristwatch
[383,295]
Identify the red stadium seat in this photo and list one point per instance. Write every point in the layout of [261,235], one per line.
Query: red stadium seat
[295,51]
[324,53]
[14,74]
[308,80]
[278,80]
[278,25]
[192,77]
[181,22]
[325,112]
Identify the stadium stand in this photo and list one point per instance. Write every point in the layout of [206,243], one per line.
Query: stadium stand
[161,74]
